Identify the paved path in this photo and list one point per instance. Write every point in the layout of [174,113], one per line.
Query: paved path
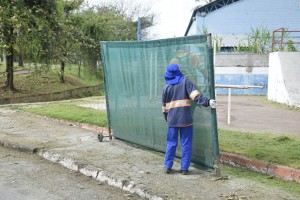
[256,114]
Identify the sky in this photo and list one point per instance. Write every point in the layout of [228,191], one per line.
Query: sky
[173,16]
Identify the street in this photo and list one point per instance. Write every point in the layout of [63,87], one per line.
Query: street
[26,176]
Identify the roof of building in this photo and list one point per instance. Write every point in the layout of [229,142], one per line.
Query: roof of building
[210,7]
[231,40]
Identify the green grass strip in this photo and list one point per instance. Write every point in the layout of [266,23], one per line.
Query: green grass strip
[71,112]
[284,150]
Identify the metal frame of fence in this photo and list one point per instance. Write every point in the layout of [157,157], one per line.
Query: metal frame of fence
[281,40]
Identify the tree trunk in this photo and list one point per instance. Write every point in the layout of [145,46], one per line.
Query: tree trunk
[10,63]
[21,64]
[10,70]
[94,66]
[79,68]
[62,71]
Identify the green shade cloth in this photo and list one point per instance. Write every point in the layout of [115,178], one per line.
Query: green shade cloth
[134,79]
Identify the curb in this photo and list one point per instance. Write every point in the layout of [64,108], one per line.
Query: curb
[87,170]
[280,171]
[100,175]
[21,148]
[234,160]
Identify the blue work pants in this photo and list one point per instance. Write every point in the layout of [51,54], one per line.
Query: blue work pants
[186,141]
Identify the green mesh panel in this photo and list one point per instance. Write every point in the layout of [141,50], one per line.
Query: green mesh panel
[134,79]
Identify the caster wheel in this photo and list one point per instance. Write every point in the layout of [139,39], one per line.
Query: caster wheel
[100,137]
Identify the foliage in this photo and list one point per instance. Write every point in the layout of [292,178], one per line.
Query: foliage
[64,31]
[66,34]
[204,30]
[132,10]
[290,46]
[37,33]
[86,76]
[217,43]
[102,24]
[259,40]
[22,23]
[28,19]
[105,23]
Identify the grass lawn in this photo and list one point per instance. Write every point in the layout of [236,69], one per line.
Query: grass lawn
[284,150]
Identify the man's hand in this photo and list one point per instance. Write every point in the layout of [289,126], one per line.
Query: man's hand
[213,103]
[166,116]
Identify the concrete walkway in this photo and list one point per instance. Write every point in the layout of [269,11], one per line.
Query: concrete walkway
[256,114]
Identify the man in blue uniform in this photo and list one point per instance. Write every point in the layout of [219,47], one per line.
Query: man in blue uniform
[176,107]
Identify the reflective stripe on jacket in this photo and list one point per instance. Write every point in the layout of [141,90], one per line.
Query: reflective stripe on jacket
[176,102]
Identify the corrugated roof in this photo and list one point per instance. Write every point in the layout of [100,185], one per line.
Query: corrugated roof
[230,40]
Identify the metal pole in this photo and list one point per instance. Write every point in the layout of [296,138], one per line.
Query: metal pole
[281,41]
[215,52]
[229,105]
[273,41]
[139,29]
[209,40]
[214,64]
[150,72]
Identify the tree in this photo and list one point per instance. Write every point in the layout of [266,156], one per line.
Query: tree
[60,31]
[102,24]
[132,10]
[15,16]
[8,20]
[65,33]
[116,21]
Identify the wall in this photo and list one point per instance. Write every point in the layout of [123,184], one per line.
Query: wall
[241,60]
[242,69]
[283,84]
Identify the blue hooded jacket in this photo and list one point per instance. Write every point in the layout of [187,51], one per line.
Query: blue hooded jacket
[176,98]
